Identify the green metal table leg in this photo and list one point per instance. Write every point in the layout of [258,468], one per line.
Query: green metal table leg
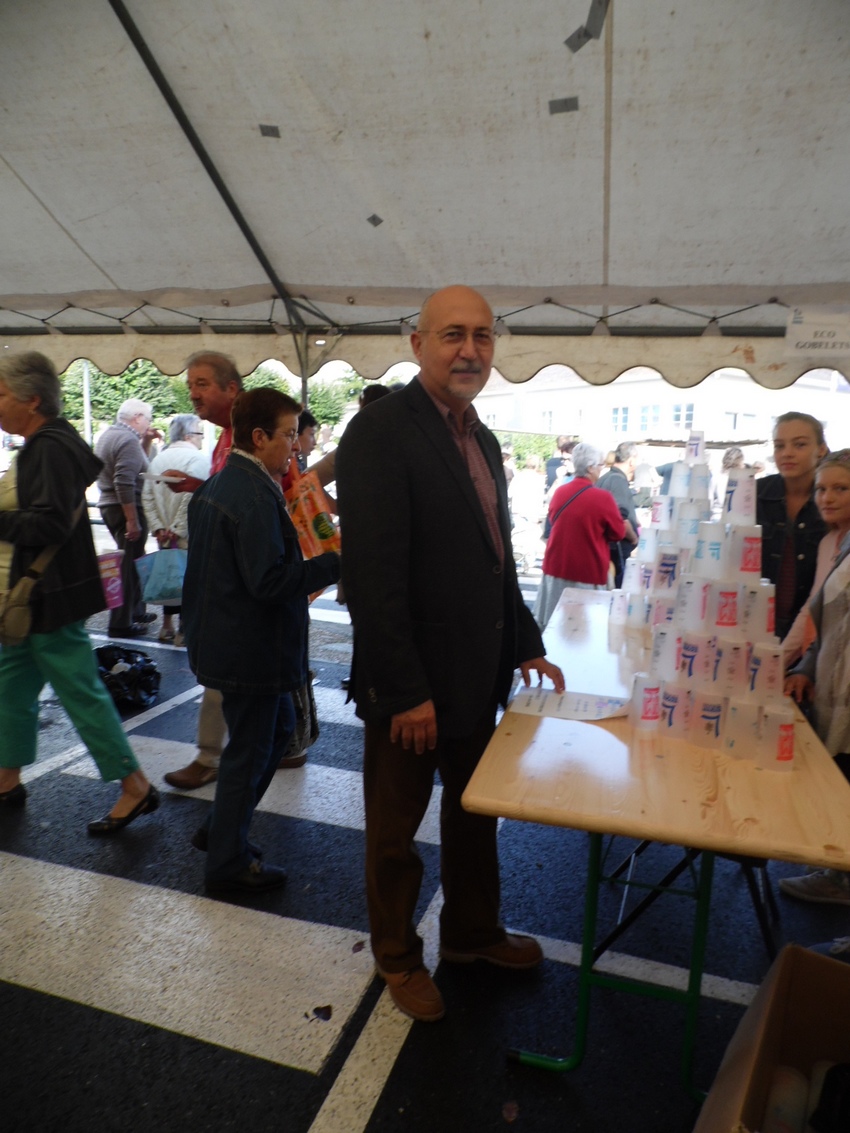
[589,978]
[703,898]
[585,977]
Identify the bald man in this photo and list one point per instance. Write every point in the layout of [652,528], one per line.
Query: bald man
[439,628]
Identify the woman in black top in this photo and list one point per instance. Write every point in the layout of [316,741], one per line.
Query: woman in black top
[791,524]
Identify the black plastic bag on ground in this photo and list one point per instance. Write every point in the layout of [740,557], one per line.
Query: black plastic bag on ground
[130,676]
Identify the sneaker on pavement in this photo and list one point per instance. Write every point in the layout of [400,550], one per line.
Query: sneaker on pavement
[191,777]
[513,952]
[824,887]
[415,994]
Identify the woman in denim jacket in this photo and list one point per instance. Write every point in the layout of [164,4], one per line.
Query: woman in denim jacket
[245,619]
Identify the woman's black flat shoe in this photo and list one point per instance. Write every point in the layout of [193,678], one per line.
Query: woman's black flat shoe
[17,796]
[105,826]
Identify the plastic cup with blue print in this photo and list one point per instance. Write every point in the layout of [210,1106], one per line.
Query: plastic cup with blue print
[619,607]
[709,558]
[767,673]
[708,719]
[696,662]
[675,720]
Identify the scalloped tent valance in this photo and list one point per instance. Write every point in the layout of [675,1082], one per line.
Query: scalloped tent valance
[599,360]
[246,170]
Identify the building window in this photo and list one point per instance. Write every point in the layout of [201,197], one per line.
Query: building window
[547,421]
[620,418]
[650,415]
[683,415]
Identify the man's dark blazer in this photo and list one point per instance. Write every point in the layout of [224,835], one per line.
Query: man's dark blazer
[437,615]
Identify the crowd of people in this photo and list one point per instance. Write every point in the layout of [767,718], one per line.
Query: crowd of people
[419,480]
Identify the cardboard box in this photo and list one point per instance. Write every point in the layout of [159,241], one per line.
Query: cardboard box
[799,1016]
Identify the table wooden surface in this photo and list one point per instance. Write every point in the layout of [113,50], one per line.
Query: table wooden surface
[609,778]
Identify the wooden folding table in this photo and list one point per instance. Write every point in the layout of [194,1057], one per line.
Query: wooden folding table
[609,779]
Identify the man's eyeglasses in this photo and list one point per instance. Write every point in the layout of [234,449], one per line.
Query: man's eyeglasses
[454,336]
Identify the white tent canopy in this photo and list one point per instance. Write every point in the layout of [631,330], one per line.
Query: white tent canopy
[254,175]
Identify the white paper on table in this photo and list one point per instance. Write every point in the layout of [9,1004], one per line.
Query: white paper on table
[568,705]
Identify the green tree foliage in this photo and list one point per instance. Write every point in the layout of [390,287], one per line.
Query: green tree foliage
[527,444]
[167,395]
[330,397]
[265,376]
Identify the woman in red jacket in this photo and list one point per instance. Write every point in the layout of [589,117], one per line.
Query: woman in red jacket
[583,521]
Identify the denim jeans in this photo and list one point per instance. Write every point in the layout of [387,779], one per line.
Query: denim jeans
[259,728]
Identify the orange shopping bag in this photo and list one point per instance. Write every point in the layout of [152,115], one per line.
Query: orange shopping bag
[310,512]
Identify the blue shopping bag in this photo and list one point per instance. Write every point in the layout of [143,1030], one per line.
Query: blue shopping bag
[161,575]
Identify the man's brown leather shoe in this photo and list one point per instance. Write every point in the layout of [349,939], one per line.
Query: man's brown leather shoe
[512,952]
[415,994]
[191,777]
[294,760]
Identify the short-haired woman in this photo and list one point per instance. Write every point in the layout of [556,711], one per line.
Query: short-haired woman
[584,520]
[43,503]
[166,512]
[245,616]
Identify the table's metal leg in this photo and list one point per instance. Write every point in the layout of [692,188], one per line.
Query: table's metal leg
[664,885]
[589,978]
[703,898]
[585,978]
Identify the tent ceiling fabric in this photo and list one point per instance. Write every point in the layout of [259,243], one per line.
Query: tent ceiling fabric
[706,167]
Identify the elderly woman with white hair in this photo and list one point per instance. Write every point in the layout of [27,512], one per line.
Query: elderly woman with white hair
[43,505]
[120,485]
[583,520]
[166,512]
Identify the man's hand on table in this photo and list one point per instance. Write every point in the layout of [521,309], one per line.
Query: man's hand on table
[544,668]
